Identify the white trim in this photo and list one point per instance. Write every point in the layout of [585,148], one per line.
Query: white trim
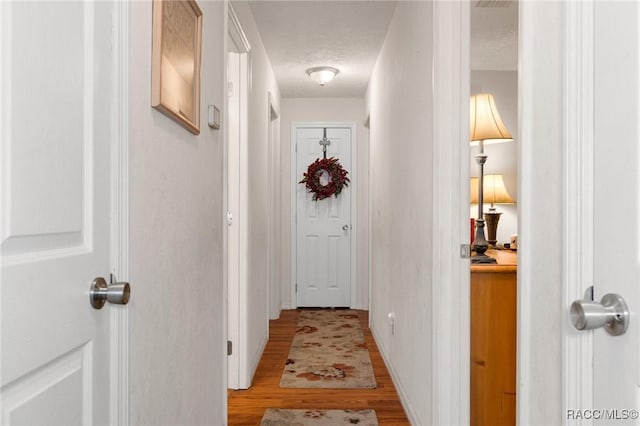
[403,394]
[578,208]
[235,31]
[450,276]
[224,129]
[294,216]
[119,412]
[353,184]
[273,213]
[526,44]
[239,375]
[367,126]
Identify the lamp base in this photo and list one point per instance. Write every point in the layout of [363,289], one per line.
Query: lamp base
[482,259]
[492,219]
[480,245]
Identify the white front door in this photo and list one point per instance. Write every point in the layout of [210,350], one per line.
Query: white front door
[617,201]
[324,228]
[56,134]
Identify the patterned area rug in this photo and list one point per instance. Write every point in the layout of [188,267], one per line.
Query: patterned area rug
[328,351]
[281,417]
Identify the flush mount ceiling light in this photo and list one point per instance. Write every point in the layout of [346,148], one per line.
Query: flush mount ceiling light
[322,75]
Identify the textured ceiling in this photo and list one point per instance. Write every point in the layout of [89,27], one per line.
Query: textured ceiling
[348,35]
[494,37]
[299,35]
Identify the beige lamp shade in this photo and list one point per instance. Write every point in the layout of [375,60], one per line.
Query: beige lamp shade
[485,122]
[493,188]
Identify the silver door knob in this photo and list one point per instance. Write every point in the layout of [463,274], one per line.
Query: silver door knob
[101,292]
[611,313]
[345,227]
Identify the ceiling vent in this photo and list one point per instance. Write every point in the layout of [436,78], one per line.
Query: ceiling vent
[494,3]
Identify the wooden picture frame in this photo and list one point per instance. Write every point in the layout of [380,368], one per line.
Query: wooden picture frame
[176,58]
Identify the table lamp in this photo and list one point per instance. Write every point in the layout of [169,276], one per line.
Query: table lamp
[485,126]
[494,192]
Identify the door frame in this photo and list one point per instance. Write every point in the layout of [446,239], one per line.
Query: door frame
[578,219]
[238,371]
[354,202]
[119,330]
[450,368]
[273,188]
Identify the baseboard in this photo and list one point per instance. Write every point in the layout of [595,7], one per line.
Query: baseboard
[271,317]
[258,356]
[360,308]
[356,307]
[402,393]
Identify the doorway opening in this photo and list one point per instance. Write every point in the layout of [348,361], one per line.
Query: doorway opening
[493,288]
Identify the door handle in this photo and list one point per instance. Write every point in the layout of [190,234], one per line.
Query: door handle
[101,292]
[344,227]
[611,313]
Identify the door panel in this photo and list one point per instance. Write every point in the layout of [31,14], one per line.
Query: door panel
[616,198]
[55,85]
[323,253]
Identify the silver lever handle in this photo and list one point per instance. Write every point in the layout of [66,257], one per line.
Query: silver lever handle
[101,292]
[345,227]
[611,313]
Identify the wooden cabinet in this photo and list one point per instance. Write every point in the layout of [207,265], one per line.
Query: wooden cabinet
[493,341]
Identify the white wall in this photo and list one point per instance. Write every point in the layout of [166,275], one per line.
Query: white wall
[326,110]
[177,304]
[263,82]
[399,100]
[502,157]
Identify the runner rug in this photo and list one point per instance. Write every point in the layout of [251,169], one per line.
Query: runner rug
[328,351]
[281,417]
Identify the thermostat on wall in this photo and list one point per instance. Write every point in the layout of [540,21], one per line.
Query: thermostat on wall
[214,117]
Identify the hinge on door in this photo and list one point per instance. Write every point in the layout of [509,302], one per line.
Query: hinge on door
[229,347]
[296,147]
[296,287]
[465,251]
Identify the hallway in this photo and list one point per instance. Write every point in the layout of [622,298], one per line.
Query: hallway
[246,407]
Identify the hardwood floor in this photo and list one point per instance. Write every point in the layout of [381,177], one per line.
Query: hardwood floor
[246,407]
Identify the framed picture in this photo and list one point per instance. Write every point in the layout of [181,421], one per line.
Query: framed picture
[176,56]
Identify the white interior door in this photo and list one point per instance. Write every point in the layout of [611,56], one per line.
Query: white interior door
[324,228]
[55,93]
[616,198]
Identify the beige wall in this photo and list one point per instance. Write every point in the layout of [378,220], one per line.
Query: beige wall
[326,110]
[177,304]
[400,100]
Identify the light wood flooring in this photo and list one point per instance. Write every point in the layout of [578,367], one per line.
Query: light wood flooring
[246,407]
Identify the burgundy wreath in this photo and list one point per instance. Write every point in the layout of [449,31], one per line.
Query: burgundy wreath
[337,178]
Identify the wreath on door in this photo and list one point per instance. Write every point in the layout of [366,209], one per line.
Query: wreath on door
[325,177]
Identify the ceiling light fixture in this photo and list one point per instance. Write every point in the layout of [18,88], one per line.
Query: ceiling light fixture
[322,75]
